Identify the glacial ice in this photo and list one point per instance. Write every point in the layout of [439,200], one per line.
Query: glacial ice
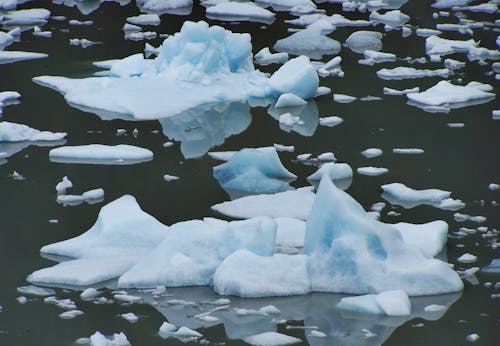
[310,42]
[453,96]
[360,41]
[293,203]
[101,154]
[334,231]
[191,251]
[254,171]
[198,66]
[390,303]
[11,132]
[238,11]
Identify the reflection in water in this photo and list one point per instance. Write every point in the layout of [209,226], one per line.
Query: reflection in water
[308,114]
[205,127]
[7,149]
[87,6]
[182,305]
[447,107]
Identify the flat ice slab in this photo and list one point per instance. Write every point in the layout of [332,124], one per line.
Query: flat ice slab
[240,11]
[12,132]
[101,154]
[10,56]
[400,194]
[390,303]
[271,339]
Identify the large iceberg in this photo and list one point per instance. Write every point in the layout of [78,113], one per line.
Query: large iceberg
[254,171]
[200,65]
[351,253]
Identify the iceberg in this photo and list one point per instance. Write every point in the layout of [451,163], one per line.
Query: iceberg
[310,42]
[191,251]
[10,56]
[101,154]
[335,171]
[400,194]
[238,11]
[453,96]
[399,73]
[254,171]
[265,57]
[12,132]
[180,7]
[197,66]
[360,41]
[351,253]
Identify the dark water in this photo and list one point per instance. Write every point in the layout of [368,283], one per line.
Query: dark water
[461,160]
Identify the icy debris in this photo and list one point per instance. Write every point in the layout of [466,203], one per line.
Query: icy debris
[140,36]
[408,151]
[70,314]
[84,43]
[168,330]
[80,22]
[101,154]
[311,42]
[330,121]
[467,258]
[390,303]
[390,91]
[36,291]
[11,132]
[130,317]
[360,41]
[453,96]
[493,187]
[263,311]
[493,267]
[63,185]
[372,152]
[91,197]
[436,47]
[239,11]
[254,171]
[265,57]
[485,8]
[145,19]
[127,298]
[21,300]
[287,3]
[289,100]
[472,337]
[98,339]
[341,98]
[455,125]
[399,73]
[89,293]
[288,121]
[65,304]
[293,203]
[27,17]
[422,32]
[169,178]
[443,4]
[331,68]
[17,176]
[271,339]
[434,308]
[161,6]
[317,334]
[372,57]
[285,148]
[372,171]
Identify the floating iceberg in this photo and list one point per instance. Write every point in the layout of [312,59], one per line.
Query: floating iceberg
[10,56]
[452,96]
[399,73]
[360,41]
[191,251]
[400,194]
[200,65]
[254,171]
[101,154]
[238,11]
[180,7]
[271,339]
[339,173]
[310,42]
[11,132]
[352,253]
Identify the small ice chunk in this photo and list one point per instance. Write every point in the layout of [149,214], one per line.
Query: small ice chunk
[330,121]
[328,156]
[271,339]
[21,300]
[372,152]
[126,298]
[70,314]
[336,171]
[317,334]
[89,293]
[472,337]
[63,185]
[130,317]
[289,100]
[145,19]
[394,18]
[297,76]
[11,132]
[36,291]
[399,73]
[265,57]
[493,187]
[167,328]
[239,11]
[434,308]
[408,151]
[311,42]
[169,178]
[455,125]
[341,98]
[286,148]
[390,303]
[98,339]
[373,171]
[467,258]
[359,41]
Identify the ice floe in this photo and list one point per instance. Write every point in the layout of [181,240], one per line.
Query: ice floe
[372,152]
[10,56]
[445,94]
[400,194]
[311,42]
[265,57]
[240,11]
[101,154]
[12,132]
[399,73]
[360,41]
[271,339]
[390,303]
[200,65]
[372,171]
